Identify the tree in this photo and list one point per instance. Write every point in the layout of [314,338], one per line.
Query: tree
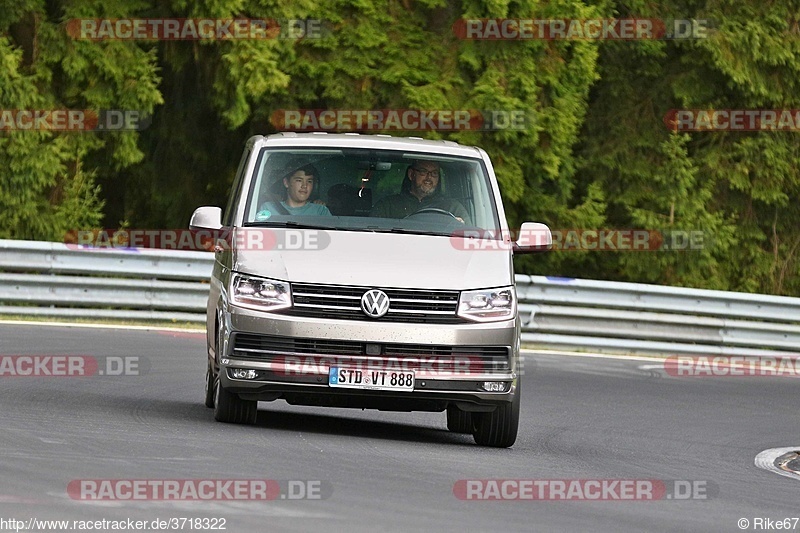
[47,181]
[734,186]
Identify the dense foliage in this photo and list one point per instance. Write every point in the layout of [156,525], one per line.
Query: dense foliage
[595,154]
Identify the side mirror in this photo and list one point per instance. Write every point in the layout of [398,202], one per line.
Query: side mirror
[206,217]
[533,237]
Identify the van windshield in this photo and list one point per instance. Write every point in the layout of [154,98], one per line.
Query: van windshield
[371,190]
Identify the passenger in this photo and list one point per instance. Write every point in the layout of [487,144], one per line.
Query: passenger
[298,185]
[421,189]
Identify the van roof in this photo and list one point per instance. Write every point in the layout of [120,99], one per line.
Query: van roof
[356,140]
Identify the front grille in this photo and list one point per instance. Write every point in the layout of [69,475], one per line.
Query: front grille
[266,348]
[248,345]
[344,302]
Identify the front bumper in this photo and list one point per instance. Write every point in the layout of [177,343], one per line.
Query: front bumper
[292,355]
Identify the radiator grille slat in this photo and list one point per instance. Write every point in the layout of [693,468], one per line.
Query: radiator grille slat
[344,302]
[267,348]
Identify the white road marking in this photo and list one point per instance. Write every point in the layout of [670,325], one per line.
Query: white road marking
[51,441]
[596,355]
[766,461]
[99,326]
[270,508]
[16,499]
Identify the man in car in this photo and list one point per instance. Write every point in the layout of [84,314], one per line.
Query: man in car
[421,189]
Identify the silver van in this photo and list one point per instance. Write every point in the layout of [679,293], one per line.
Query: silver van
[366,271]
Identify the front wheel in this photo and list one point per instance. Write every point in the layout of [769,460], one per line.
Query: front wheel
[210,387]
[229,408]
[499,428]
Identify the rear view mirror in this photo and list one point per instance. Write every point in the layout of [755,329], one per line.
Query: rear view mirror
[533,237]
[206,217]
[374,165]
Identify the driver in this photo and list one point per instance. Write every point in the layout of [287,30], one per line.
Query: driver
[421,189]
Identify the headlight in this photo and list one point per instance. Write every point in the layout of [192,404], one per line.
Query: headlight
[488,305]
[260,293]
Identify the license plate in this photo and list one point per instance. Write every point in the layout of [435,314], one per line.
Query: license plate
[364,378]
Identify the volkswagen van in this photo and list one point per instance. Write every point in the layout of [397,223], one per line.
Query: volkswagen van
[389,285]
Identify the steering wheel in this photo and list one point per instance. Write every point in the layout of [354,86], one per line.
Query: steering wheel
[432,210]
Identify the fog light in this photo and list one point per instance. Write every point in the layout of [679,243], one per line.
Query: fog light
[243,373]
[494,386]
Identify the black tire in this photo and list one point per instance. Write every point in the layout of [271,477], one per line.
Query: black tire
[499,428]
[459,421]
[210,378]
[229,408]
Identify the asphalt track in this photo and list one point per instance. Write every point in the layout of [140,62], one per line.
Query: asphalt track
[582,419]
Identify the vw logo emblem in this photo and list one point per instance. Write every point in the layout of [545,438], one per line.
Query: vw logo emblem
[375,303]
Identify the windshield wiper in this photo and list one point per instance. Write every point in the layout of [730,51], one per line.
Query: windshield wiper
[415,232]
[284,224]
[377,229]
[407,231]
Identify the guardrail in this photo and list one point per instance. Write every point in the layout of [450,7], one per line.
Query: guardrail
[57,280]
[577,314]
